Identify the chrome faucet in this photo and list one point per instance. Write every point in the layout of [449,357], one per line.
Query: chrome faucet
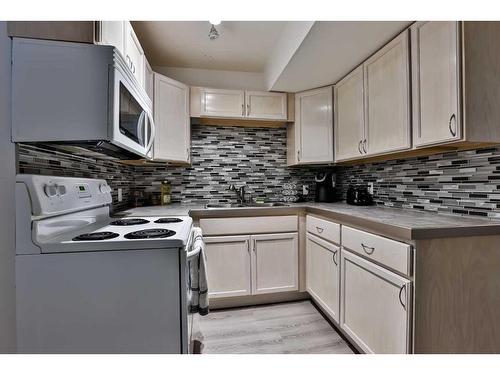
[240,193]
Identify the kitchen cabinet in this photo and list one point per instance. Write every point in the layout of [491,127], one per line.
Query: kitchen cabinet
[349,116]
[266,105]
[312,141]
[274,263]
[323,274]
[376,306]
[149,79]
[112,33]
[171,115]
[387,98]
[228,262]
[239,104]
[134,54]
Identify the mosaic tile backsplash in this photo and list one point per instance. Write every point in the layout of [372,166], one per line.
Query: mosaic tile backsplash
[464,182]
[221,156]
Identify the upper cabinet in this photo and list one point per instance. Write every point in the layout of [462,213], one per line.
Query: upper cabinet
[310,139]
[112,33]
[436,82]
[387,98]
[349,116]
[171,114]
[238,104]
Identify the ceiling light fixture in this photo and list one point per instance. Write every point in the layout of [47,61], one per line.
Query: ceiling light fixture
[213,33]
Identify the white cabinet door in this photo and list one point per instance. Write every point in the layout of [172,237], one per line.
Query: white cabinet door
[375,306]
[222,103]
[149,79]
[228,264]
[274,263]
[349,116]
[112,33]
[171,114]
[266,105]
[387,98]
[436,77]
[323,274]
[134,55]
[314,126]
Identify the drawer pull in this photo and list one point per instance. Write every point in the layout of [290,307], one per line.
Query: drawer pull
[320,230]
[368,249]
[333,257]
[453,132]
[400,299]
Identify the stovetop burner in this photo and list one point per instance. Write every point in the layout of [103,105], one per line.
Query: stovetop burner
[168,220]
[96,236]
[125,222]
[149,233]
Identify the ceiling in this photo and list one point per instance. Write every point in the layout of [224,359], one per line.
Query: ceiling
[242,46]
[291,56]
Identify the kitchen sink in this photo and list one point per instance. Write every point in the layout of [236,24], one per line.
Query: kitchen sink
[239,205]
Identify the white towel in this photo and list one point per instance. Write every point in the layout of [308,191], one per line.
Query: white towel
[198,272]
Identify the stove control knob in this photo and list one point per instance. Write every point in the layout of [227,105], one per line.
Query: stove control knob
[104,189]
[61,189]
[50,190]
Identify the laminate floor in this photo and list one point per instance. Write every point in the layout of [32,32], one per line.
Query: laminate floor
[295,327]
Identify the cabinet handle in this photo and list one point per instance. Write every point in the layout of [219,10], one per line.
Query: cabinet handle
[359,147]
[248,109]
[248,245]
[453,132]
[400,299]
[333,257]
[370,249]
[254,245]
[298,155]
[364,145]
[188,154]
[243,109]
[320,230]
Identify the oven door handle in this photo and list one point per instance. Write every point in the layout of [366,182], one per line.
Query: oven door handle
[152,135]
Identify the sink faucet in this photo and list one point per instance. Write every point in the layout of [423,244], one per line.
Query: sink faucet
[240,193]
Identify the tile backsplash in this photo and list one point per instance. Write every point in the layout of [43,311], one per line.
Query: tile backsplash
[463,182]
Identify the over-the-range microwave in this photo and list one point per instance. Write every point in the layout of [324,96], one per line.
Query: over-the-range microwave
[79,96]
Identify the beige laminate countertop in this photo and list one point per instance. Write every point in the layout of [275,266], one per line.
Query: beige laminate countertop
[405,224]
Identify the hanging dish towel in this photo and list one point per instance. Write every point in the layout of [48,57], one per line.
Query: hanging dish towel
[198,274]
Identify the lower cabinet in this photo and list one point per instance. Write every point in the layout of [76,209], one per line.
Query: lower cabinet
[376,306]
[252,264]
[323,274]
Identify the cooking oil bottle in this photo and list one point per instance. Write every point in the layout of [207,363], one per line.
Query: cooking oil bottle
[166,192]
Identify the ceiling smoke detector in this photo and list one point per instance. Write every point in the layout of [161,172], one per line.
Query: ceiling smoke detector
[213,33]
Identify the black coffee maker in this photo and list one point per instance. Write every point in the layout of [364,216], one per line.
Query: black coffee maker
[325,187]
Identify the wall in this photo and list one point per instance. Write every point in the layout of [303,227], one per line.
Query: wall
[7,208]
[464,183]
[219,79]
[255,157]
[47,161]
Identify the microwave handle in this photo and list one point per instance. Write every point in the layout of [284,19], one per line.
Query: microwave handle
[140,127]
[153,133]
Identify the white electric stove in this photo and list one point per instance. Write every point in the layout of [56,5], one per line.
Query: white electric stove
[89,283]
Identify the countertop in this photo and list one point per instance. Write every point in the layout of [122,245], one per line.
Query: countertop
[405,224]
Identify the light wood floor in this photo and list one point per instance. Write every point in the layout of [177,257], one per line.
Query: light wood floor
[295,327]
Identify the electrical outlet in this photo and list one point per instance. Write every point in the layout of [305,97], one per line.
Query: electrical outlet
[370,188]
[120,194]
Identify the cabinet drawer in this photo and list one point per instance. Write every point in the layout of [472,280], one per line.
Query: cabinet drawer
[323,228]
[249,225]
[390,253]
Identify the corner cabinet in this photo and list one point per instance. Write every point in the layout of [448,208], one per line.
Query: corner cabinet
[310,138]
[376,306]
[323,274]
[171,114]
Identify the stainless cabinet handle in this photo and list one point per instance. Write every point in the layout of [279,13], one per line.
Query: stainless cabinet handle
[248,245]
[243,109]
[400,299]
[248,109]
[298,155]
[188,153]
[320,230]
[364,145]
[254,245]
[453,132]
[367,249]
[333,257]
[359,147]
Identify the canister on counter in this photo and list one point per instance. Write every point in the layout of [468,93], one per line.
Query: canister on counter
[166,192]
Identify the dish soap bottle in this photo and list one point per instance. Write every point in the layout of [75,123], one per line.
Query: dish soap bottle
[166,192]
